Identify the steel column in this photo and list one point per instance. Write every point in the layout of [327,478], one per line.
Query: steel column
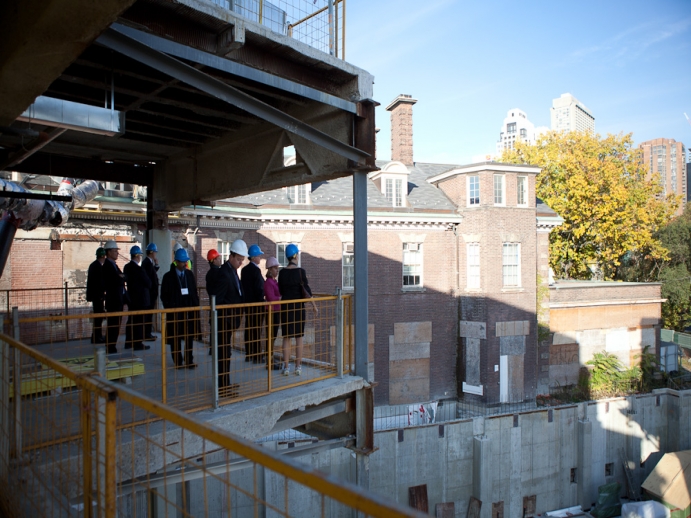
[187,74]
[17,399]
[361,292]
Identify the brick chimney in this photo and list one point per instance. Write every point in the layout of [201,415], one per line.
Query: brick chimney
[401,109]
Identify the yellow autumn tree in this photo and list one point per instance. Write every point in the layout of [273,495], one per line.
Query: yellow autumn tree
[609,202]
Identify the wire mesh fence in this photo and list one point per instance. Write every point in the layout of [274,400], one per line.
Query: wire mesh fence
[169,464]
[318,23]
[185,364]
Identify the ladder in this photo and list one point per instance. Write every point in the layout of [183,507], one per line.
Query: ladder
[632,490]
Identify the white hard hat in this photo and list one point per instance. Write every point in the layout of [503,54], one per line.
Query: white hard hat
[177,247]
[239,247]
[111,245]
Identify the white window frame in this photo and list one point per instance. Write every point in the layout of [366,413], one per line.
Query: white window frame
[473,266]
[522,191]
[299,194]
[223,248]
[348,267]
[499,190]
[393,190]
[473,201]
[511,265]
[412,268]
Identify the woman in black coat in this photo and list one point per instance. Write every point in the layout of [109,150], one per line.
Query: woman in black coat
[292,280]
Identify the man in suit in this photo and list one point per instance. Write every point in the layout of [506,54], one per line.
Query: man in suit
[253,288]
[95,293]
[114,285]
[179,290]
[138,286]
[231,288]
[150,267]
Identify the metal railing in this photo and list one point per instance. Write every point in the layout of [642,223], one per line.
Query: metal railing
[185,366]
[169,465]
[318,23]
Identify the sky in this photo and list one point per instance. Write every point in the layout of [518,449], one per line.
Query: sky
[469,63]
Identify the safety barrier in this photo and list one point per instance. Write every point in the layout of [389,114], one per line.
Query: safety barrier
[168,465]
[318,23]
[186,366]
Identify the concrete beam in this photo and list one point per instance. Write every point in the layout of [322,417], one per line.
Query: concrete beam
[40,39]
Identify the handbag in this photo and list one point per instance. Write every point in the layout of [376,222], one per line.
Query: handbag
[305,294]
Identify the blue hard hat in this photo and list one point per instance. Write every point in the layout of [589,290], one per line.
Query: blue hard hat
[151,247]
[254,251]
[181,255]
[291,250]
[135,250]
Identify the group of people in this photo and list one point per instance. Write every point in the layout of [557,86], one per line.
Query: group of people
[109,289]
[248,286]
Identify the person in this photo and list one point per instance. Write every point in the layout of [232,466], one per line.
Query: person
[95,293]
[138,287]
[177,247]
[114,286]
[272,294]
[179,290]
[232,293]
[291,281]
[214,282]
[150,267]
[253,288]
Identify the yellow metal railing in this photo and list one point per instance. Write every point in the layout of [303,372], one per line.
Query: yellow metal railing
[249,352]
[171,465]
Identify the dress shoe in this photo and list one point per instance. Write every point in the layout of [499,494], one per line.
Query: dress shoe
[142,347]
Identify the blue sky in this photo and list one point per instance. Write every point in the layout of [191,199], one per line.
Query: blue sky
[468,63]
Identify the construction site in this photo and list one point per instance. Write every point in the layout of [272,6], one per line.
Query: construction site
[191,125]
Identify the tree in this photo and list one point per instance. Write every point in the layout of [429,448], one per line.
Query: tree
[611,206]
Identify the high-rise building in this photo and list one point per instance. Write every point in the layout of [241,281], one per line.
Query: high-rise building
[569,114]
[667,157]
[517,127]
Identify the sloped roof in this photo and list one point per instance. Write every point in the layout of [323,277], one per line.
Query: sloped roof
[670,480]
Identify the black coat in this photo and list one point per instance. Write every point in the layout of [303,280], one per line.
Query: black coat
[150,269]
[171,294]
[94,282]
[138,286]
[216,284]
[114,284]
[252,283]
[230,281]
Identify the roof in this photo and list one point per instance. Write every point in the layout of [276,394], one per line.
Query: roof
[670,480]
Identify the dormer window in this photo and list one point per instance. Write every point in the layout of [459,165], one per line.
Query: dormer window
[299,194]
[394,191]
[392,181]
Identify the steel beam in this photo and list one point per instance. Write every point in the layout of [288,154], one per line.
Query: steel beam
[315,413]
[140,52]
[361,272]
[231,67]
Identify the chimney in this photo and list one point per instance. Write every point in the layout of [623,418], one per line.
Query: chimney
[401,109]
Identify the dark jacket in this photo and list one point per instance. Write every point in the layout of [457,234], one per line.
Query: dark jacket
[114,284]
[150,269]
[289,283]
[252,283]
[216,284]
[230,280]
[94,282]
[171,290]
[138,286]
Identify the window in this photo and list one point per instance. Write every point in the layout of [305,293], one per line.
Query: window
[348,266]
[511,265]
[522,191]
[511,127]
[394,191]
[473,190]
[412,264]
[281,255]
[524,133]
[473,254]
[223,248]
[499,189]
[297,194]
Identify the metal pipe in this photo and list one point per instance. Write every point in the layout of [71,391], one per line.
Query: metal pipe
[17,378]
[331,29]
[214,349]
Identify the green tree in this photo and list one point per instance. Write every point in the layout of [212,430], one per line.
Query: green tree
[611,206]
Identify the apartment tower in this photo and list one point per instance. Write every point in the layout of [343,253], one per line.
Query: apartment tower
[667,157]
[569,114]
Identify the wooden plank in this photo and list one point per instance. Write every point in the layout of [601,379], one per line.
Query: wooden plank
[417,498]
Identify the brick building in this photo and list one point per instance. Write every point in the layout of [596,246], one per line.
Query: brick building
[456,254]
